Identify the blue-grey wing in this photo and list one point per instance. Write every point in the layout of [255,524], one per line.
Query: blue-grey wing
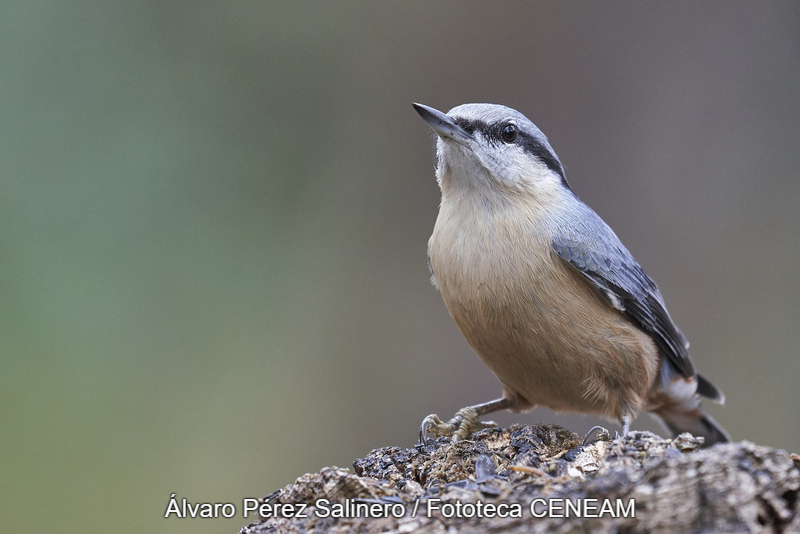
[587,243]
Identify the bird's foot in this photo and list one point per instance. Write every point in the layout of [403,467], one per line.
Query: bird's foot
[466,421]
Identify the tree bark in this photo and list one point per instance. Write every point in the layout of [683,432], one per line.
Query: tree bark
[544,479]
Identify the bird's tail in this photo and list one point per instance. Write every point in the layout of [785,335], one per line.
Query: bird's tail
[681,410]
[694,421]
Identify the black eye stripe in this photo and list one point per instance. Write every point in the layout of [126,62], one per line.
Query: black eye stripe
[536,145]
[470,126]
[490,132]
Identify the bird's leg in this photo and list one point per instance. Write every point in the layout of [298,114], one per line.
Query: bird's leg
[466,421]
[625,421]
[626,425]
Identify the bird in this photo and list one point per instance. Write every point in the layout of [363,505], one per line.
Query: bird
[544,291]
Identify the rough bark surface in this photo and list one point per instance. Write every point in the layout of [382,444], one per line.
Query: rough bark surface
[676,486]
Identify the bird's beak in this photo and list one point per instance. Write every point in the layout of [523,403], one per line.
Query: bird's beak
[443,125]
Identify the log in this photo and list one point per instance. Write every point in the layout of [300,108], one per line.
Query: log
[543,478]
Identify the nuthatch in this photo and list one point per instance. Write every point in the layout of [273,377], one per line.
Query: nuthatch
[544,291]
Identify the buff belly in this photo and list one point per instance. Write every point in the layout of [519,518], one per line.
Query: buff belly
[550,338]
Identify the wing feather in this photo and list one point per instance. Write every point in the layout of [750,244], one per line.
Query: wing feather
[587,243]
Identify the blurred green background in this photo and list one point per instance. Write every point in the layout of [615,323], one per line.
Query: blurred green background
[214,219]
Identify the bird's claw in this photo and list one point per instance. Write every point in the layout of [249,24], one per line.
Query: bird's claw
[601,431]
[465,422]
[430,424]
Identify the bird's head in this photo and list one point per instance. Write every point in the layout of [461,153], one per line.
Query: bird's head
[487,147]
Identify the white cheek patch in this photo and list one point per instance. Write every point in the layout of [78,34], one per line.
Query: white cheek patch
[512,166]
[508,163]
[485,164]
[457,163]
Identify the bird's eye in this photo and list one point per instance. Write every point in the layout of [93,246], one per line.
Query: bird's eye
[509,133]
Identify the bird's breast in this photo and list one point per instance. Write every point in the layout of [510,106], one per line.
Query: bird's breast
[485,258]
[550,338]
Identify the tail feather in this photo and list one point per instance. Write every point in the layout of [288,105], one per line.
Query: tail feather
[677,403]
[697,423]
[709,390]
